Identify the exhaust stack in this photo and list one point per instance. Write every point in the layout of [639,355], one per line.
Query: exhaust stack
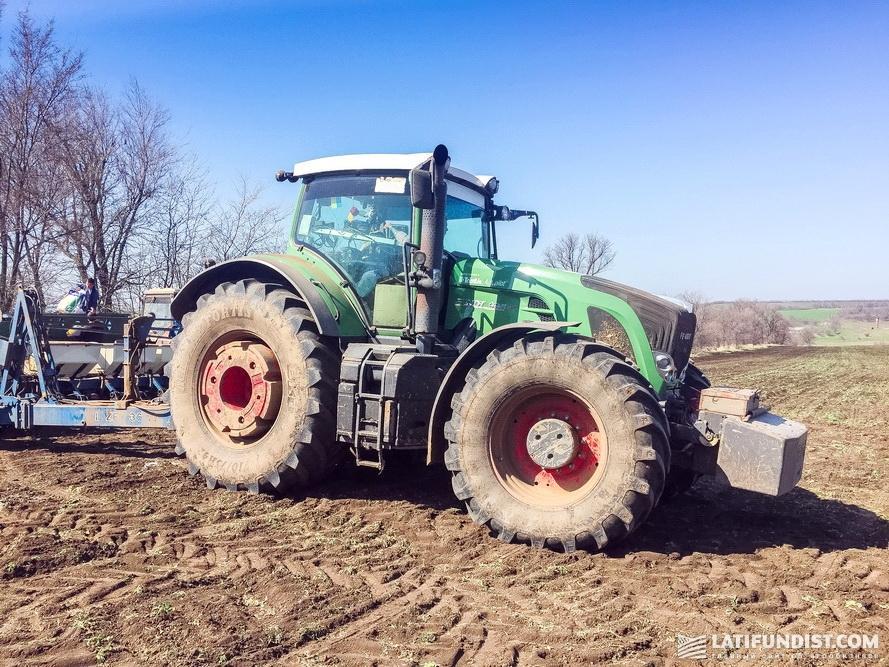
[429,191]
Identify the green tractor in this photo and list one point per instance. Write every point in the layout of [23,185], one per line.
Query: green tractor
[564,406]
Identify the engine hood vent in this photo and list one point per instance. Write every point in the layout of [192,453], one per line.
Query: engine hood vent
[669,326]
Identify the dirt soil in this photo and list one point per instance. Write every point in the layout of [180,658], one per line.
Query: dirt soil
[110,552]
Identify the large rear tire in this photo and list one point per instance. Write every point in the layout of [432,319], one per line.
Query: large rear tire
[557,442]
[252,385]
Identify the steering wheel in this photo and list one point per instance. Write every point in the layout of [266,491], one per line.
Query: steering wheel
[360,243]
[386,231]
[324,240]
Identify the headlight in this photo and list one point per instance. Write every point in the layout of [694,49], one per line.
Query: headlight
[666,367]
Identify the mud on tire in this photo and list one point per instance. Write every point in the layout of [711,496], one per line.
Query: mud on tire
[630,469]
[296,445]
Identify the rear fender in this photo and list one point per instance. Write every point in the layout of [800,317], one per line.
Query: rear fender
[331,310]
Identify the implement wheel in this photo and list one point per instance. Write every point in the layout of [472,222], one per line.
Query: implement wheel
[251,388]
[556,442]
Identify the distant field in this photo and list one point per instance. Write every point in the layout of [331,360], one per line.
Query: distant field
[856,332]
[851,331]
[848,304]
[809,315]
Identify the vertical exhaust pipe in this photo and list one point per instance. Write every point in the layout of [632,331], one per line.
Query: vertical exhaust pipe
[432,234]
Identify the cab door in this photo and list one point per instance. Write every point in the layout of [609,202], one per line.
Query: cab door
[478,285]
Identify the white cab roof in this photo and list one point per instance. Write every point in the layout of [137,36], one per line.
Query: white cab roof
[379,162]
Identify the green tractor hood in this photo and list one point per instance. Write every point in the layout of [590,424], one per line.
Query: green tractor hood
[494,293]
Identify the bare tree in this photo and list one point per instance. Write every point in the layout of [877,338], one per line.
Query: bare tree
[739,323]
[589,254]
[116,159]
[94,186]
[184,227]
[36,89]
[693,298]
[244,226]
[176,242]
[775,327]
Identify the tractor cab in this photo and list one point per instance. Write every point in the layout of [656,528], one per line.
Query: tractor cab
[356,212]
[357,218]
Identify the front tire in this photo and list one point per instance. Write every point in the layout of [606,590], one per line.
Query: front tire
[556,442]
[251,388]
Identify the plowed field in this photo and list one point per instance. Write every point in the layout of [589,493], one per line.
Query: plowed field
[110,552]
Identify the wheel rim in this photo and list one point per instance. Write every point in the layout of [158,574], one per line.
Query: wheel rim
[547,446]
[240,388]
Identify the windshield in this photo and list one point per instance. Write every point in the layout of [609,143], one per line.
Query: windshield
[362,222]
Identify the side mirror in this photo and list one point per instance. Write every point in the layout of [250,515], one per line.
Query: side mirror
[421,188]
[505,213]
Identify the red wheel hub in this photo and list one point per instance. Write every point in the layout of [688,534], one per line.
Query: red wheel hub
[241,388]
[581,466]
[547,447]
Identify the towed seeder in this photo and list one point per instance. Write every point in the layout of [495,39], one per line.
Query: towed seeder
[107,371]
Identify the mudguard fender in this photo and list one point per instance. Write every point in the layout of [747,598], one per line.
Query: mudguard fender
[477,349]
[280,269]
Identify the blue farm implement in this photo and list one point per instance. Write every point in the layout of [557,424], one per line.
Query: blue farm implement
[110,383]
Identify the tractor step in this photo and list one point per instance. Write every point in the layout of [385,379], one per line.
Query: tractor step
[374,457]
[384,399]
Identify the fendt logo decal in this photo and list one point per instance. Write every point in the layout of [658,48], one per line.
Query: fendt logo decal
[477,281]
[477,304]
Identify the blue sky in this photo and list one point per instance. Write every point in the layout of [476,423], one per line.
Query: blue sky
[737,149]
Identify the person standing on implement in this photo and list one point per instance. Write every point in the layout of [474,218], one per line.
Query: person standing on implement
[89,299]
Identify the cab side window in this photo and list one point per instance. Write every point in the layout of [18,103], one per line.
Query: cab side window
[466,234]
